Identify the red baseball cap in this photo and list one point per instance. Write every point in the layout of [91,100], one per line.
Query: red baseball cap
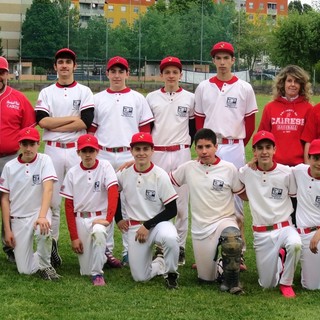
[314,147]
[141,137]
[170,61]
[88,140]
[263,135]
[4,64]
[29,133]
[117,60]
[222,47]
[65,51]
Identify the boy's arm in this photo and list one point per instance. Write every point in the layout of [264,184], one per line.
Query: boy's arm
[5,206]
[42,220]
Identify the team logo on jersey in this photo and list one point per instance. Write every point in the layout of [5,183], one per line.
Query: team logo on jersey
[276,193]
[151,195]
[182,111]
[217,185]
[96,187]
[127,111]
[317,201]
[76,104]
[13,105]
[231,103]
[1,181]
[36,179]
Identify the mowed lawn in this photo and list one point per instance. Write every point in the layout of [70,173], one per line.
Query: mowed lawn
[74,297]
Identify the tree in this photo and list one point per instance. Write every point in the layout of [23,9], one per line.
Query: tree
[297,6]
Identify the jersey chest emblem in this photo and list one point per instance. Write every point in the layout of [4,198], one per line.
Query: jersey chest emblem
[13,105]
[97,186]
[217,185]
[182,111]
[151,195]
[317,202]
[127,111]
[36,179]
[76,104]
[276,193]
[231,103]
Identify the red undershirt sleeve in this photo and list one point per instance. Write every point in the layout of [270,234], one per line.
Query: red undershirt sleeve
[113,196]
[199,122]
[71,219]
[249,123]
[145,128]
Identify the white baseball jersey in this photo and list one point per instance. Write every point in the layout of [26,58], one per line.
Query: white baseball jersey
[88,187]
[60,101]
[224,110]
[211,193]
[151,192]
[23,181]
[118,115]
[308,196]
[269,193]
[172,112]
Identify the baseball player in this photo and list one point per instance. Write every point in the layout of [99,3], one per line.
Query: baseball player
[65,110]
[227,105]
[174,105]
[308,218]
[16,112]
[311,130]
[119,113]
[91,193]
[269,189]
[150,202]
[212,184]
[27,184]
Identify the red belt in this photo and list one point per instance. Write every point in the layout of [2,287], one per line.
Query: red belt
[269,228]
[228,141]
[2,155]
[88,214]
[307,230]
[116,149]
[171,148]
[61,144]
[135,222]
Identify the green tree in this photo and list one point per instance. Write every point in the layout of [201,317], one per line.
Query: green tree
[297,6]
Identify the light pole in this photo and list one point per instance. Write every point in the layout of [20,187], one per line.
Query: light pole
[107,32]
[201,36]
[139,62]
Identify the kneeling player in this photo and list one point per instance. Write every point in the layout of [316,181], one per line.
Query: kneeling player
[150,202]
[91,192]
[27,186]
[212,183]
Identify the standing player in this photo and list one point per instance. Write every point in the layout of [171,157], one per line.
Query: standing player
[308,218]
[174,105]
[16,112]
[227,105]
[150,202]
[91,193]
[212,183]
[119,113]
[65,110]
[27,184]
[269,189]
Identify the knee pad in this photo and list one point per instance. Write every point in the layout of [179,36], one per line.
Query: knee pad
[231,248]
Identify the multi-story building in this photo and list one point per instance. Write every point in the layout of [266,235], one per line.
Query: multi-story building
[273,9]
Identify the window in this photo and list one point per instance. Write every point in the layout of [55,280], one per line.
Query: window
[250,5]
[110,8]
[123,20]
[250,16]
[261,6]
[136,10]
[281,7]
[110,20]
[123,8]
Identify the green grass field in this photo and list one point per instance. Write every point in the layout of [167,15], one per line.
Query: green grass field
[74,297]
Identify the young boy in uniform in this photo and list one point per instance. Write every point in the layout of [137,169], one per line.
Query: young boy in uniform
[27,186]
[308,217]
[277,244]
[150,202]
[91,193]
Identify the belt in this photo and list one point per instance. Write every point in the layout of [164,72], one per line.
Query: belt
[86,214]
[227,141]
[116,149]
[307,230]
[134,222]
[2,155]
[61,144]
[171,148]
[273,227]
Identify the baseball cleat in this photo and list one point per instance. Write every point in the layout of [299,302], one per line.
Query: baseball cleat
[56,260]
[49,273]
[112,261]
[98,280]
[125,260]
[287,291]
[171,281]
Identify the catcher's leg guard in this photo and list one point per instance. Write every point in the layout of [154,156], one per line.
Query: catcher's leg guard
[231,248]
